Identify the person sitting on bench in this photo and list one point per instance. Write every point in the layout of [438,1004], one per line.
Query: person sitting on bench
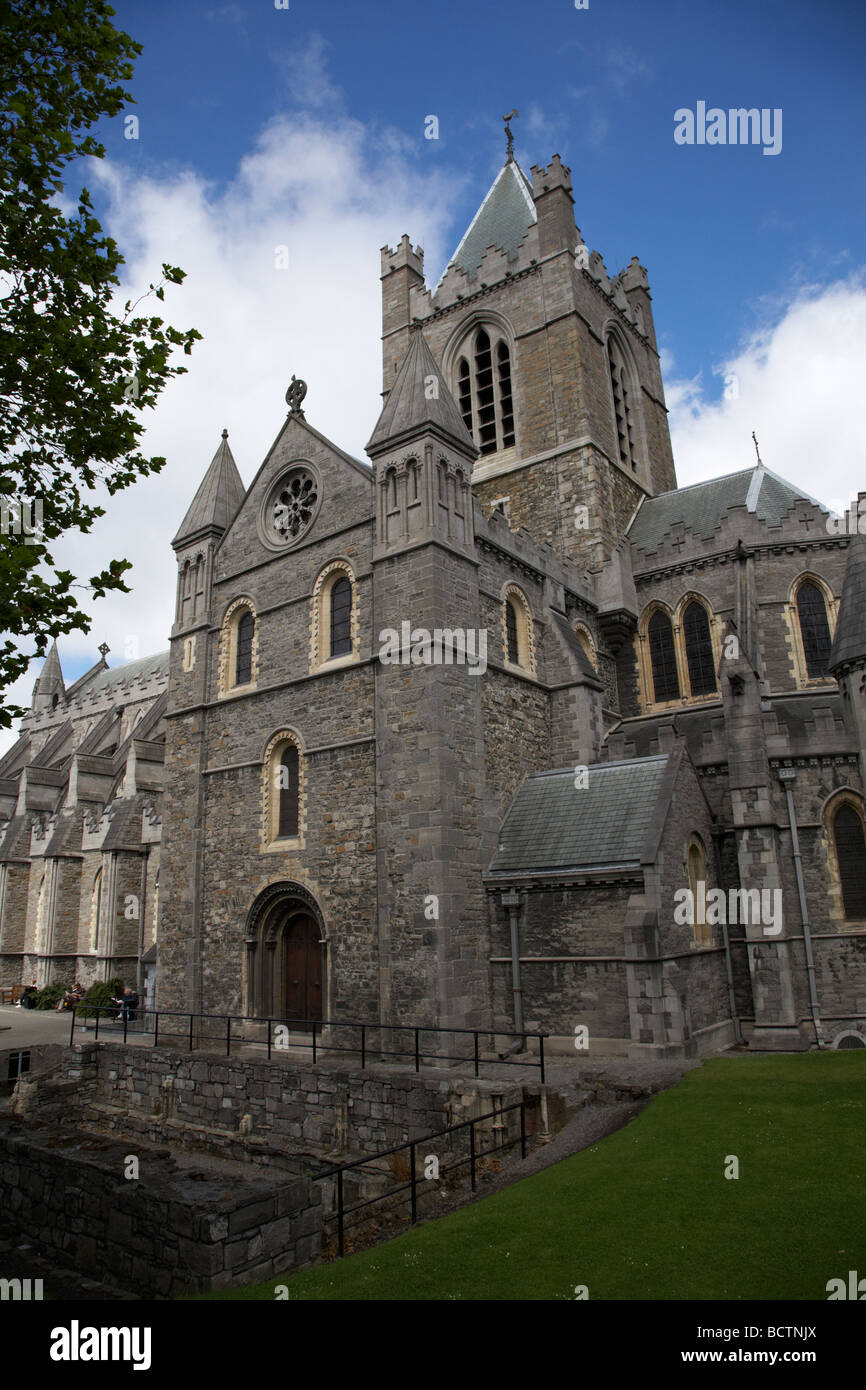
[128,1005]
[26,1000]
[72,997]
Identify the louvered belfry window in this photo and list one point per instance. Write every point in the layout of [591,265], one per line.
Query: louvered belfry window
[666,683]
[244,662]
[622,405]
[341,618]
[815,630]
[699,650]
[851,857]
[289,786]
[485,394]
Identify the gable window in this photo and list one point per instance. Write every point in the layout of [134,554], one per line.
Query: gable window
[851,858]
[341,617]
[484,391]
[699,650]
[244,659]
[814,629]
[663,658]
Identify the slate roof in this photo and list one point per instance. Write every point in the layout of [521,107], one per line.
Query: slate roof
[504,218]
[552,826]
[702,506]
[219,495]
[410,408]
[146,667]
[849,641]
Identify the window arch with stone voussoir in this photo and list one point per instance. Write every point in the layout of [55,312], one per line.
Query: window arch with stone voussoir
[238,651]
[518,631]
[845,840]
[811,620]
[284,792]
[334,635]
[479,364]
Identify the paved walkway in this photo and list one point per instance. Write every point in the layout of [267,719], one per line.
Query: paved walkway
[29,1027]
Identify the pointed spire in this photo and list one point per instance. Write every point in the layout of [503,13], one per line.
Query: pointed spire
[849,642]
[219,495]
[50,679]
[420,400]
[503,219]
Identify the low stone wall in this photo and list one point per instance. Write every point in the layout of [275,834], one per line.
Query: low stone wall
[163,1233]
[289,1104]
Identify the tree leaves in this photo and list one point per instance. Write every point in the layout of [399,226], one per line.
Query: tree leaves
[75,379]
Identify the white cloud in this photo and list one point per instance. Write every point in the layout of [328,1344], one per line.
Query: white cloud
[798,383]
[333,191]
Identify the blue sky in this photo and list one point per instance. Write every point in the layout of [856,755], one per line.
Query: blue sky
[305,127]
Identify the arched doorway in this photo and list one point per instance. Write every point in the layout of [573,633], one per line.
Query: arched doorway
[286,958]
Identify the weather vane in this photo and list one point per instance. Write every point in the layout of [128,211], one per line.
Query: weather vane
[295,395]
[757,450]
[510,117]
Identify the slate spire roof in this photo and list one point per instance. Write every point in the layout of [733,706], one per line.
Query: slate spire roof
[219,495]
[420,400]
[849,643]
[51,674]
[504,218]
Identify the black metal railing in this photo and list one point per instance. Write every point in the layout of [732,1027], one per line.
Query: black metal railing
[427,1185]
[309,1036]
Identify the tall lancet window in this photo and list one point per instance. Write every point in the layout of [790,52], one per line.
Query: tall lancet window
[289,789]
[812,612]
[666,682]
[341,617]
[623,406]
[244,661]
[699,650]
[851,858]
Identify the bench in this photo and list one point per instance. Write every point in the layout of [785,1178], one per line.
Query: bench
[10,994]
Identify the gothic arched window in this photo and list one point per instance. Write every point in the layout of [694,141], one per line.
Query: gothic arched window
[244,658]
[814,629]
[697,870]
[484,391]
[623,405]
[699,650]
[288,793]
[517,633]
[95,907]
[199,586]
[666,683]
[851,858]
[341,617]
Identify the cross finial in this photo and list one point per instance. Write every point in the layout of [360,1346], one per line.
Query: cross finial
[225,434]
[103,650]
[757,450]
[510,117]
[295,395]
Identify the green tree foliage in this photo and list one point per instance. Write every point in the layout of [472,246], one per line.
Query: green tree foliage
[75,376]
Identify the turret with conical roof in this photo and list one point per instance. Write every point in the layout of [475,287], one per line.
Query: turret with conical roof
[49,690]
[422,458]
[219,495]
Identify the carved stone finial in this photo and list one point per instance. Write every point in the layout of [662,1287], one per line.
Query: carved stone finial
[104,649]
[225,434]
[295,395]
[510,117]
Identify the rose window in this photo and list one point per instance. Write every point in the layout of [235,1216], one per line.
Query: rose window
[293,505]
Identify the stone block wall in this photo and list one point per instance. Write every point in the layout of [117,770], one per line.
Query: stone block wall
[162,1234]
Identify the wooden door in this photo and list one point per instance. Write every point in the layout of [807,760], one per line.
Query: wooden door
[302,956]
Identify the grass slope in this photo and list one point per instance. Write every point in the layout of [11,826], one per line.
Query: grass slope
[648,1212]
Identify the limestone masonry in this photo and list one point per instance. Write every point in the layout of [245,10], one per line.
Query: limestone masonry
[268,820]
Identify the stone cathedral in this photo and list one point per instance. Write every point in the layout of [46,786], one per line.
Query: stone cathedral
[273,820]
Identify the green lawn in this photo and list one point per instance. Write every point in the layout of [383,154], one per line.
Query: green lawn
[647,1213]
